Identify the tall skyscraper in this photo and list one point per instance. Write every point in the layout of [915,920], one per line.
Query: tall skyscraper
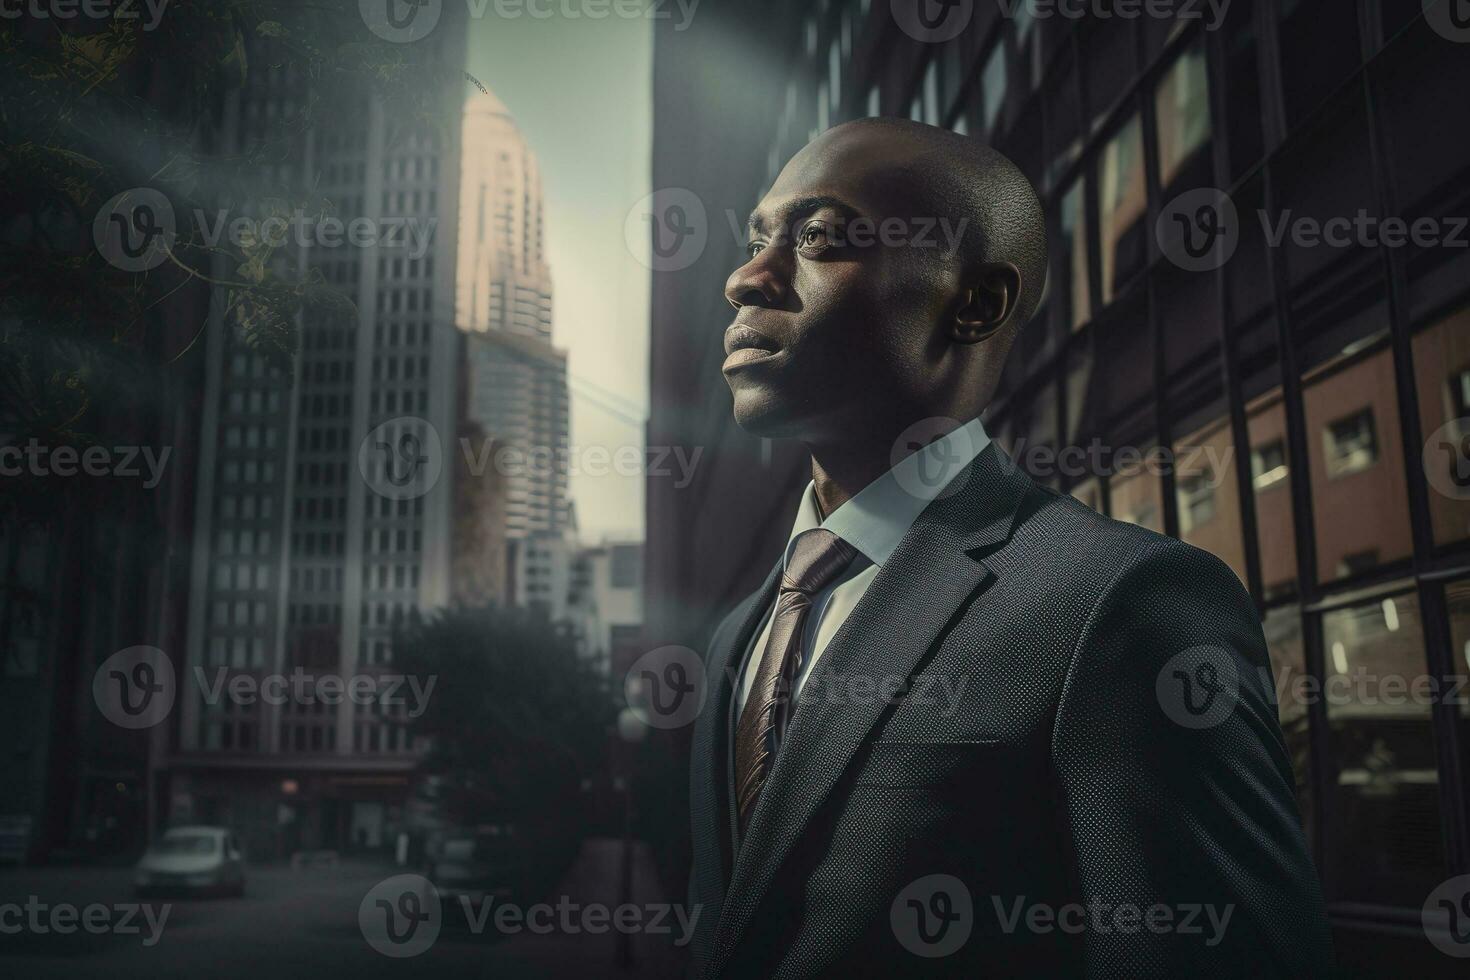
[503,281]
[325,504]
[516,380]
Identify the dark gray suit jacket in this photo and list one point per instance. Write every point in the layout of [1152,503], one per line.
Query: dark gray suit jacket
[1083,774]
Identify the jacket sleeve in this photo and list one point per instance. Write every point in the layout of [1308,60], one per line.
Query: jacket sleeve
[1177,785]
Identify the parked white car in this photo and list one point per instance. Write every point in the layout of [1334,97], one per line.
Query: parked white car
[194,859]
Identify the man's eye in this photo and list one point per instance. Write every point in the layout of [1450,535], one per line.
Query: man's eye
[813,234]
[754,249]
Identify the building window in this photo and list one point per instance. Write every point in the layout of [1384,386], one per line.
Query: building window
[626,566]
[927,100]
[834,71]
[1383,838]
[993,86]
[1344,412]
[1268,465]
[1136,498]
[1122,202]
[1074,302]
[1183,107]
[1196,492]
[1351,444]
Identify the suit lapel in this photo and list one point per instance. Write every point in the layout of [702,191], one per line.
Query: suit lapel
[926,581]
[709,800]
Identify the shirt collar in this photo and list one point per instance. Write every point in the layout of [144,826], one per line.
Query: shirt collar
[878,516]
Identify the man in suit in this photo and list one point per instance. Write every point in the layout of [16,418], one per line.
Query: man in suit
[967,726]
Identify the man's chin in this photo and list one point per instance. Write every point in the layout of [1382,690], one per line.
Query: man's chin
[763,414]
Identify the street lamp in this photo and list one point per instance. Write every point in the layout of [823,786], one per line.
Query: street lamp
[631,730]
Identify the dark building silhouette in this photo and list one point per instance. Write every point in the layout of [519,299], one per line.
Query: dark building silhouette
[1311,397]
[89,564]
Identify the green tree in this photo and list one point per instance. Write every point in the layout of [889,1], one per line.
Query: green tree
[517,718]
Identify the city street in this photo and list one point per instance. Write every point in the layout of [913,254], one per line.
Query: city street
[305,923]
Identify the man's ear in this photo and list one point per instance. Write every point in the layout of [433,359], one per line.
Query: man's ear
[987,304]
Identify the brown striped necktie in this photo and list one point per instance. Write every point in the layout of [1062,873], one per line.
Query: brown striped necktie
[817,558]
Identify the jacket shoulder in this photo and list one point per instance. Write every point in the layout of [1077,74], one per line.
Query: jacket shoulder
[1076,546]
[1064,514]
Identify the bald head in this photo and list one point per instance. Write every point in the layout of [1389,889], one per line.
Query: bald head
[941,173]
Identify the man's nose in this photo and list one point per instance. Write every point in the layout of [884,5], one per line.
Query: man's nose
[759,282]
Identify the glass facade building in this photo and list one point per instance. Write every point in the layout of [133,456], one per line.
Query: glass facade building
[1300,409]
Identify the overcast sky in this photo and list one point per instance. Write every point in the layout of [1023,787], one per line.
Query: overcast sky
[580,91]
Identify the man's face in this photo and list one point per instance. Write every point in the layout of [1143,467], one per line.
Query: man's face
[848,276]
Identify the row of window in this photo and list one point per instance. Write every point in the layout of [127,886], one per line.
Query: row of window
[319,543]
[385,613]
[405,300]
[238,614]
[242,576]
[249,436]
[253,401]
[313,473]
[391,541]
[326,405]
[242,736]
[246,506]
[242,541]
[314,614]
[321,439]
[330,509]
[402,576]
[309,579]
[411,168]
[387,368]
[237,652]
[399,203]
[389,335]
[399,268]
[390,402]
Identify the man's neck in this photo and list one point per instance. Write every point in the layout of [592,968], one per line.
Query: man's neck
[838,477]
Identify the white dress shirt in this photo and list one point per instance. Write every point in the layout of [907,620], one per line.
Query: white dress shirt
[873,522]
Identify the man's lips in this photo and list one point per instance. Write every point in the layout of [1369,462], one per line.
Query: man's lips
[746,345]
[740,337]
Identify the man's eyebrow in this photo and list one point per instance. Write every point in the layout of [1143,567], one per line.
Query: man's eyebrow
[800,208]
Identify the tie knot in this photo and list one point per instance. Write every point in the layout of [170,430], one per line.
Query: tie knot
[817,557]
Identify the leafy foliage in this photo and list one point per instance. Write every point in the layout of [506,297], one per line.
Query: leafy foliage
[516,718]
[89,108]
